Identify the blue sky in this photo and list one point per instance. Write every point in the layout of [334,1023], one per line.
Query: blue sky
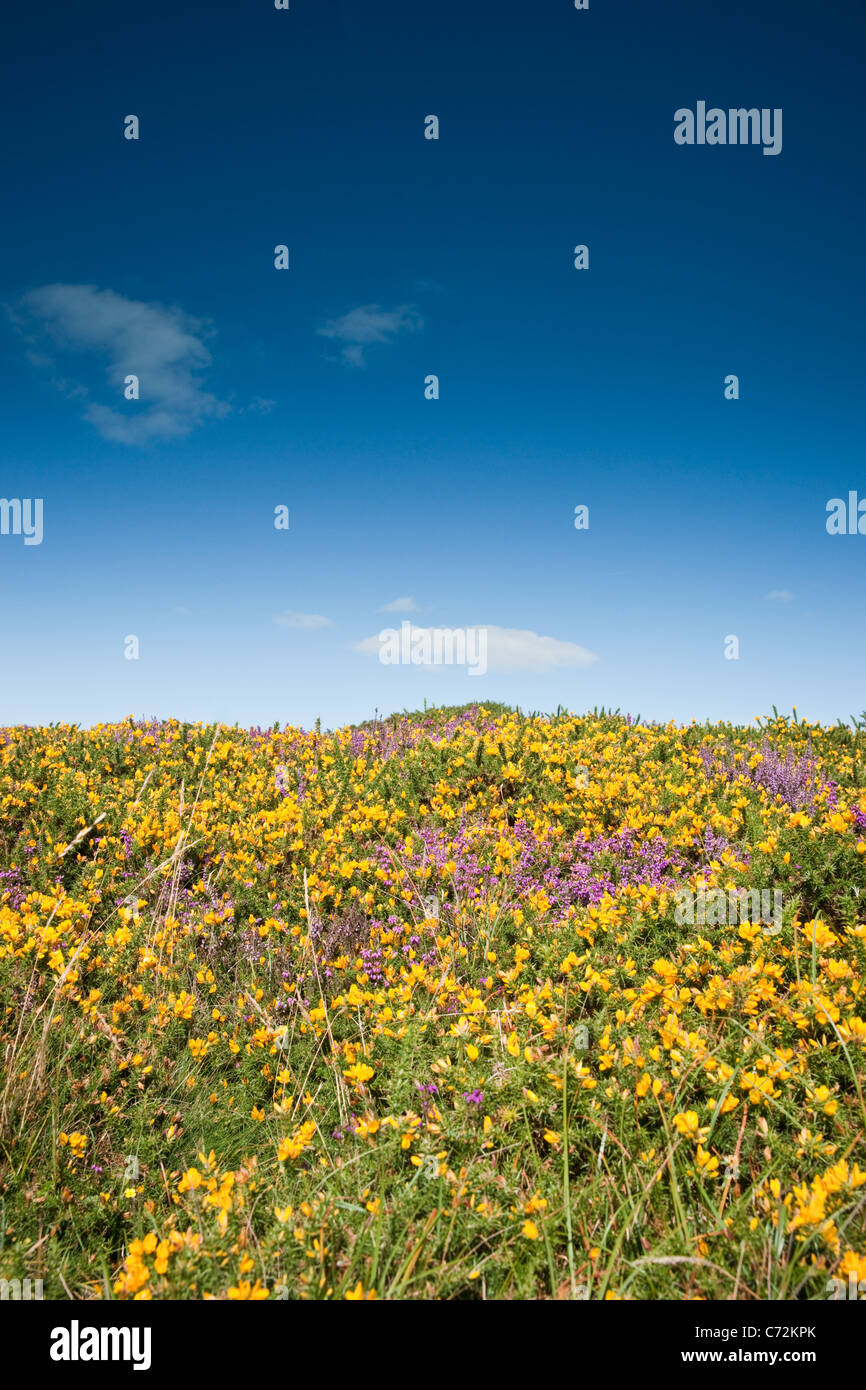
[409,257]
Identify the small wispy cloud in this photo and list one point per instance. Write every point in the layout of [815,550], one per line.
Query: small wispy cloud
[779,595]
[162,345]
[399,605]
[306,621]
[369,326]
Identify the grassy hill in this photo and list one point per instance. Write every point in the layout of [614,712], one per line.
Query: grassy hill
[457,1003]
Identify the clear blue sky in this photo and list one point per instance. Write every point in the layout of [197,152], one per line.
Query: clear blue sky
[558,387]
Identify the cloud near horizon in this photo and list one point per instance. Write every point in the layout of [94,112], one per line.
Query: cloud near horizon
[508,649]
[162,345]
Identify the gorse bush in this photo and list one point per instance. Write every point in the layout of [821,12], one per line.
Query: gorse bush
[404,1010]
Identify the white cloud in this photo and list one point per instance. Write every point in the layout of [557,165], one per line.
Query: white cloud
[369,325]
[511,649]
[161,345]
[306,621]
[518,649]
[782,595]
[399,605]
